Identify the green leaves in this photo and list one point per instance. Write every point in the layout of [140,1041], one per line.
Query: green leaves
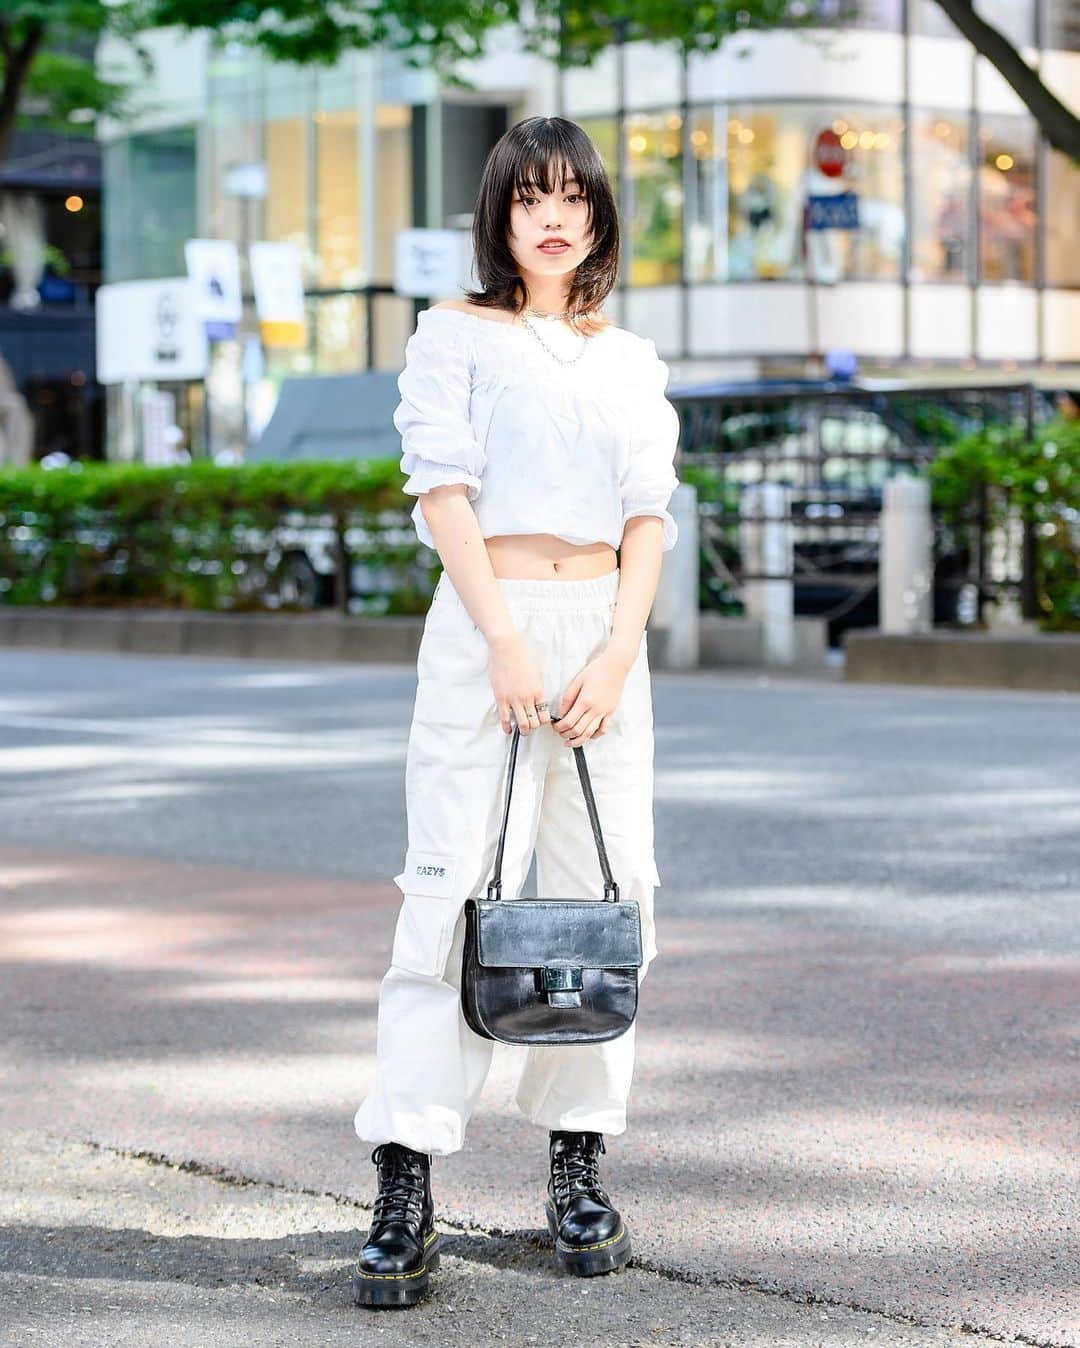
[984,479]
[199,536]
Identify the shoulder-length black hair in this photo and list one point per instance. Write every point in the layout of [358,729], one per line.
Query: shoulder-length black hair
[533,151]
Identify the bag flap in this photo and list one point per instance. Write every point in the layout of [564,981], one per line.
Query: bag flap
[558,933]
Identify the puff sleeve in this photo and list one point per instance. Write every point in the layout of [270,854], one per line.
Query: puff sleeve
[438,443]
[650,478]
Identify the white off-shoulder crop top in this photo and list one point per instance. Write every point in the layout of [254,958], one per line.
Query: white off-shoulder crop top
[572,449]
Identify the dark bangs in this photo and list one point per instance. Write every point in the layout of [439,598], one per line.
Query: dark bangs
[543,153]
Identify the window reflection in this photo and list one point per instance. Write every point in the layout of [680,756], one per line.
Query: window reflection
[603,132]
[755,173]
[337,206]
[287,171]
[1007,206]
[1062,25]
[1063,194]
[654,156]
[393,182]
[941,188]
[1014,18]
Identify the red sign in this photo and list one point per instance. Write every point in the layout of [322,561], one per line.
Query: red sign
[830,157]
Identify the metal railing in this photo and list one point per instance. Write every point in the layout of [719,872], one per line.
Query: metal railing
[834,446]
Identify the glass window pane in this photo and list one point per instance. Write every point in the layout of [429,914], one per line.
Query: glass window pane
[880,14]
[928,20]
[287,191]
[339,334]
[337,198]
[1063,194]
[393,182]
[773,174]
[1062,25]
[941,196]
[706,225]
[654,156]
[150,207]
[1007,208]
[1014,18]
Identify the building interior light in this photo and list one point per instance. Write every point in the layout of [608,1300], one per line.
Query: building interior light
[1004,162]
[638,143]
[74,204]
[839,126]
[849,140]
[746,136]
[866,140]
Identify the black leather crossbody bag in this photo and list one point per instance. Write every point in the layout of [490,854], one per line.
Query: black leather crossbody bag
[551,971]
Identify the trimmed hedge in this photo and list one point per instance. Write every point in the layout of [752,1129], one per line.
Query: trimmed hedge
[199,536]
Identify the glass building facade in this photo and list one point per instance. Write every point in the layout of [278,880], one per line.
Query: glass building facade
[951,224]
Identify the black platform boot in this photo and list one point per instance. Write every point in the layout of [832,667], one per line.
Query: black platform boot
[402,1247]
[589,1233]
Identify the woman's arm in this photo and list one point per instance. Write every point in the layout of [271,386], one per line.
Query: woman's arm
[460,544]
[516,678]
[640,560]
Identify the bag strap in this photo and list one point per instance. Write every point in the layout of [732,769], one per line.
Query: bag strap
[611,889]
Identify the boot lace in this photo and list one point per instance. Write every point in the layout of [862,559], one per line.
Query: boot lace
[577,1170]
[401,1186]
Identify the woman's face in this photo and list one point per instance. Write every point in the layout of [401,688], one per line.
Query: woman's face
[538,217]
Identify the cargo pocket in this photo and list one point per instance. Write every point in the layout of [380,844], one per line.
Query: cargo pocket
[644,895]
[431,902]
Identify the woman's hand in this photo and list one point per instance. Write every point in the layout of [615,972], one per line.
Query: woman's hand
[591,698]
[518,684]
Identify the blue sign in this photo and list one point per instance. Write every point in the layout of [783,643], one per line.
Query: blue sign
[840,210]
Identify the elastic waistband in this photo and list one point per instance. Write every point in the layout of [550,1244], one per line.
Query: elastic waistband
[528,594]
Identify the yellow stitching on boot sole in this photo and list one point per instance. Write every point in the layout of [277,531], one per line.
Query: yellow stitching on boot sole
[599,1244]
[383,1277]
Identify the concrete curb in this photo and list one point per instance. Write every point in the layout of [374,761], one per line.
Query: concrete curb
[262,636]
[1045,662]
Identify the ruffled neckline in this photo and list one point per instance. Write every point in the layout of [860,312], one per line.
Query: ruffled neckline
[513,327]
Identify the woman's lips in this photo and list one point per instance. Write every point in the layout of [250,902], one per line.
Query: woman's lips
[554,247]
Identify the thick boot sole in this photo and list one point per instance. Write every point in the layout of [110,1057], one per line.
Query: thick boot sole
[586,1261]
[396,1289]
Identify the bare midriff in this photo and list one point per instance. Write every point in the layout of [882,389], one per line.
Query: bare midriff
[547,557]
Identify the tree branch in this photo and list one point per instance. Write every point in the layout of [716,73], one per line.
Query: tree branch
[1059,125]
[16,70]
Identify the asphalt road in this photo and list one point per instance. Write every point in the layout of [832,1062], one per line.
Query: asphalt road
[857,1101]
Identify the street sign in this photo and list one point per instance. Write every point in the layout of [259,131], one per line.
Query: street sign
[838,210]
[214,268]
[279,293]
[149,330]
[830,157]
[430,261]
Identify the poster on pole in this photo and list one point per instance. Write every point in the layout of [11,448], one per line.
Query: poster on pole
[279,294]
[149,330]
[431,262]
[213,267]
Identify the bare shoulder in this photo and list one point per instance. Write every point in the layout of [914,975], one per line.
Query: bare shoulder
[476,310]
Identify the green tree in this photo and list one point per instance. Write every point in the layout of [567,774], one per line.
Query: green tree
[42,82]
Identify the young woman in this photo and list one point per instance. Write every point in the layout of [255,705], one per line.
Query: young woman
[540,446]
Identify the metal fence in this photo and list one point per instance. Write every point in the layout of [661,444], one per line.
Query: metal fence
[834,446]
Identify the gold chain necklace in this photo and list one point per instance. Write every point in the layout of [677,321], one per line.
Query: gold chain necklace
[563,360]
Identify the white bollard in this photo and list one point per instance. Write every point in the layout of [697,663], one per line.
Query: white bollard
[766,542]
[675,608]
[906,564]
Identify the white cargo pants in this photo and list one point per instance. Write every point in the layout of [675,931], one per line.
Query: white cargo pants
[430,1066]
